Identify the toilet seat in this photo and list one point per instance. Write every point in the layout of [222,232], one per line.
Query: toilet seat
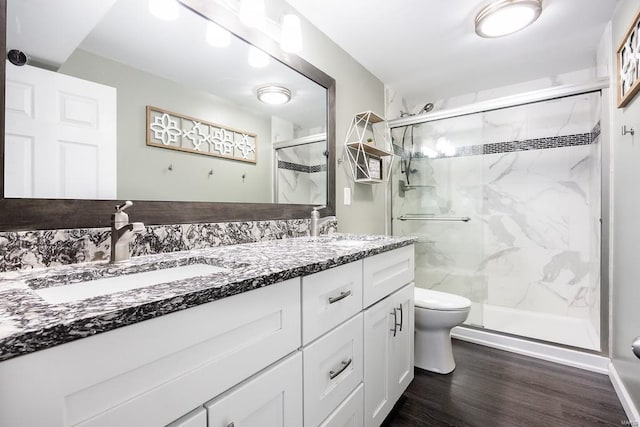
[436,300]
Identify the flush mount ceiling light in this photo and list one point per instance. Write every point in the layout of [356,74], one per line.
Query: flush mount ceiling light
[504,17]
[274,95]
[167,10]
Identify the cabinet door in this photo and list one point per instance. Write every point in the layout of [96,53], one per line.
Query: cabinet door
[272,398]
[378,336]
[401,369]
[388,349]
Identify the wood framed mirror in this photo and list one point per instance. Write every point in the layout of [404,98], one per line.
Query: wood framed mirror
[55,213]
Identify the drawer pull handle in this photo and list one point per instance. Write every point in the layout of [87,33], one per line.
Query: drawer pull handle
[342,295]
[401,317]
[395,321]
[345,365]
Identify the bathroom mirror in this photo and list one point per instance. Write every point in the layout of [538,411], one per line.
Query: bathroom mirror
[170,186]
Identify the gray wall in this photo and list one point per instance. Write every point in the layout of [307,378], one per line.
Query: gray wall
[143,170]
[357,90]
[625,221]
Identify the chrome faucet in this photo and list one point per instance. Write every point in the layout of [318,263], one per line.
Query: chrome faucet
[317,222]
[122,232]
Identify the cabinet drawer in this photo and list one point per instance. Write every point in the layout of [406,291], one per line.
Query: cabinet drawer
[195,418]
[329,298]
[272,398]
[386,272]
[349,413]
[332,370]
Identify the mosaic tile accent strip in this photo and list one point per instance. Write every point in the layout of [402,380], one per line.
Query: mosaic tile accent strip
[524,145]
[301,168]
[46,248]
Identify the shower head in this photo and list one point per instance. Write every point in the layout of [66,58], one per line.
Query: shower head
[428,107]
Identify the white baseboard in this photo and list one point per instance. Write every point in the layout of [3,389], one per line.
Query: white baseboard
[551,353]
[624,397]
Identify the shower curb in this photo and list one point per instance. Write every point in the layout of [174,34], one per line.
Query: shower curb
[564,356]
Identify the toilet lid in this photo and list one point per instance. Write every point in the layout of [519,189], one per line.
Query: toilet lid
[436,300]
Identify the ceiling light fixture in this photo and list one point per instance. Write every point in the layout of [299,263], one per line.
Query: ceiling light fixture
[274,95]
[217,36]
[166,10]
[291,37]
[503,17]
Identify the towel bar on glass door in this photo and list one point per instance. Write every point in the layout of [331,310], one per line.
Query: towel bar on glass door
[419,217]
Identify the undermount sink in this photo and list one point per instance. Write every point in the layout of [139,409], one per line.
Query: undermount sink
[94,288]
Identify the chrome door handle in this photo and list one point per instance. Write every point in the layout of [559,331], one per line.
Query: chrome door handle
[401,317]
[342,295]
[345,365]
[635,347]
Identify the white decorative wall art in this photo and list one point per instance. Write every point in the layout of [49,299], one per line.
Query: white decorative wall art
[628,60]
[166,129]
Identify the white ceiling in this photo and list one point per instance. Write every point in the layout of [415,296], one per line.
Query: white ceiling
[428,50]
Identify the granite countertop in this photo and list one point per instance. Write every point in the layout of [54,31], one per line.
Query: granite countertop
[28,323]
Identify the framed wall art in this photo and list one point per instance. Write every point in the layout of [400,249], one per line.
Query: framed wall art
[628,63]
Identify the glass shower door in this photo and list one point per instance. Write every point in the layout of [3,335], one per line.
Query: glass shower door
[437,196]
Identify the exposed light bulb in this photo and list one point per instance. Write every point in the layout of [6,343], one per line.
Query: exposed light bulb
[217,36]
[257,58]
[166,10]
[291,37]
[252,13]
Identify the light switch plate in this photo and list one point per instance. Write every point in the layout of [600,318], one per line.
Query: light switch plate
[347,196]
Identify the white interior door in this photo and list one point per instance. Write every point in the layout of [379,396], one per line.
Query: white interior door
[60,136]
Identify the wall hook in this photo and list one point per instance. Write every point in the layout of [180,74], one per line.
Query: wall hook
[210,172]
[170,166]
[626,131]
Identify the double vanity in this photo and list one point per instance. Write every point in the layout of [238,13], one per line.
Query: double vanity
[291,332]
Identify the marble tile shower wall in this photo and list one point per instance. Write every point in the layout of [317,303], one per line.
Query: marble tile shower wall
[45,248]
[533,242]
[301,175]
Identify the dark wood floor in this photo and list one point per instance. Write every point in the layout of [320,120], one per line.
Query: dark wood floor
[492,388]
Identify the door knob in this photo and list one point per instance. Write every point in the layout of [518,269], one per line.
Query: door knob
[635,346]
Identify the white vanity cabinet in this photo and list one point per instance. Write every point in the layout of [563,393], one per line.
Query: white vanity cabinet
[330,349]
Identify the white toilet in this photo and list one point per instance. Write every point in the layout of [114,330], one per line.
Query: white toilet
[436,313]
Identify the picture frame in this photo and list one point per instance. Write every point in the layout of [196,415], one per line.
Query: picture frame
[375,167]
[628,63]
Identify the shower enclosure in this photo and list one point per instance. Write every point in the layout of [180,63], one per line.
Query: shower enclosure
[300,173]
[506,207]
